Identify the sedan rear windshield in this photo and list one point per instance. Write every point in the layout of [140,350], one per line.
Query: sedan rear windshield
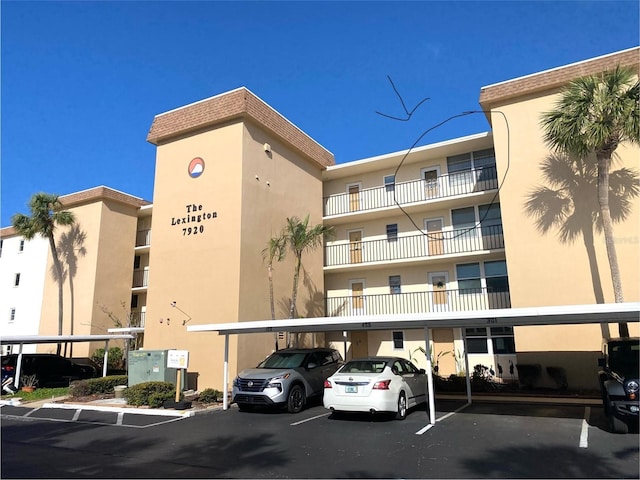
[283,360]
[364,366]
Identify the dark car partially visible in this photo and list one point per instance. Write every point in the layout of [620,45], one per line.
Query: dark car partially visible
[619,383]
[50,370]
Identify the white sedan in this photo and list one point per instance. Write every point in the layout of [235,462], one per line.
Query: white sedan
[376,384]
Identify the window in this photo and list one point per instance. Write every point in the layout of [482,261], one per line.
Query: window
[463,218]
[472,160]
[134,301]
[394,284]
[496,276]
[136,261]
[21,246]
[16,280]
[390,182]
[398,340]
[1,247]
[392,232]
[494,340]
[12,314]
[468,275]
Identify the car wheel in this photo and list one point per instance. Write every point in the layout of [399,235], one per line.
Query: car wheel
[401,414]
[295,400]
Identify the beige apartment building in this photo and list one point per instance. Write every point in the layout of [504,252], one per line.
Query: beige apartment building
[443,227]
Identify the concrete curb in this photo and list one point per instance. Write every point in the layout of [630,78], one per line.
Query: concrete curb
[131,410]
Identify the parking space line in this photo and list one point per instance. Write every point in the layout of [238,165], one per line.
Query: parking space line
[120,417]
[584,433]
[76,415]
[30,412]
[428,427]
[309,419]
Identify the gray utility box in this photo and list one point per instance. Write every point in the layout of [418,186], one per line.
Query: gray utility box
[151,366]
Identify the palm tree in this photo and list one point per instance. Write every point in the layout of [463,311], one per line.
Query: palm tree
[275,250]
[592,117]
[299,237]
[46,213]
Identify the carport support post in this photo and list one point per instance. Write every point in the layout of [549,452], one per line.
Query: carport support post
[105,359]
[16,380]
[466,365]
[432,394]
[225,375]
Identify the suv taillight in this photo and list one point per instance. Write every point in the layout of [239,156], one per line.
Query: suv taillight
[327,384]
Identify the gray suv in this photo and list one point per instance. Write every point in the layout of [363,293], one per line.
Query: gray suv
[286,378]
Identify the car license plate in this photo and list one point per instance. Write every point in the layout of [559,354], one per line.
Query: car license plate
[351,389]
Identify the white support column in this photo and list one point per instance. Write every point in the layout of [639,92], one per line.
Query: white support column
[16,379]
[466,364]
[344,341]
[106,358]
[225,378]
[431,391]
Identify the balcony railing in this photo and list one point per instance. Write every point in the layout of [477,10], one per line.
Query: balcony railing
[143,238]
[137,319]
[416,246]
[141,278]
[447,185]
[418,302]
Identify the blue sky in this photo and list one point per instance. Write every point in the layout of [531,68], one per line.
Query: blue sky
[82,81]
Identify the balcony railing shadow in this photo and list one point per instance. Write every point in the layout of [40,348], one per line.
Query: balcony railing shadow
[418,302]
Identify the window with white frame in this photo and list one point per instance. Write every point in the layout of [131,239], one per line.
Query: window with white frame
[16,280]
[389,182]
[496,276]
[394,284]
[469,279]
[398,340]
[490,340]
[392,232]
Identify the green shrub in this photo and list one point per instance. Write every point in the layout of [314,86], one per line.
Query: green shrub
[114,358]
[150,393]
[210,395]
[93,386]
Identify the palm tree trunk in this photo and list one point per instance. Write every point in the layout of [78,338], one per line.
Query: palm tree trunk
[58,267]
[271,301]
[604,162]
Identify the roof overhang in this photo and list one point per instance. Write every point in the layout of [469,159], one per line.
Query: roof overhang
[34,339]
[554,315]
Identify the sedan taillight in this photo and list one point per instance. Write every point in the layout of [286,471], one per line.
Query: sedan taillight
[327,384]
[383,385]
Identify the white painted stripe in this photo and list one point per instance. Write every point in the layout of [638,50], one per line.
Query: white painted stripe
[120,417]
[76,415]
[584,434]
[309,419]
[136,411]
[30,412]
[444,417]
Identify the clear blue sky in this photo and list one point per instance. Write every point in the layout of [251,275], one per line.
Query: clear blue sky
[82,81]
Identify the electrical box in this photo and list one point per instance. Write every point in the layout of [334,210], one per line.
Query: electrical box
[151,366]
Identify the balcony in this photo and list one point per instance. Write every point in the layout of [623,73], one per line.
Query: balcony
[138,318]
[141,278]
[414,191]
[143,238]
[418,302]
[436,244]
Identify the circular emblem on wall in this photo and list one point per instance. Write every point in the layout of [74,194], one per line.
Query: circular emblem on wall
[196,167]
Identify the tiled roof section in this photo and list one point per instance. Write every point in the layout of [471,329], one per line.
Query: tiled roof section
[101,193]
[501,92]
[88,196]
[238,103]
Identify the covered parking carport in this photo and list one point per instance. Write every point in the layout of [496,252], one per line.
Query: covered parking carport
[22,340]
[549,315]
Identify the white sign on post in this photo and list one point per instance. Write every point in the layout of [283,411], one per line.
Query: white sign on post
[178,359]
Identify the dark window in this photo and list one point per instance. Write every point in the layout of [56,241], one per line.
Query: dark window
[134,301]
[398,340]
[136,261]
[21,247]
[468,278]
[390,182]
[16,281]
[12,314]
[392,231]
[394,284]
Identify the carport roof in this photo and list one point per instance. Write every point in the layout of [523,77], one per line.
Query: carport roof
[550,315]
[33,339]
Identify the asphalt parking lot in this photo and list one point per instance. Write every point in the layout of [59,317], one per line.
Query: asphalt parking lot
[482,440]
